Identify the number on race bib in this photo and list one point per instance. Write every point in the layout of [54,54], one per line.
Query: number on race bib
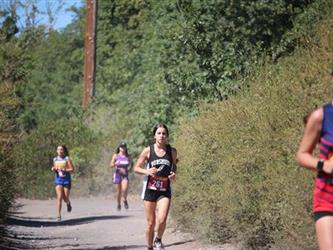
[158,185]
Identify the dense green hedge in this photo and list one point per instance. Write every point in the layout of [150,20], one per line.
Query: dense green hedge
[237,159]
[12,72]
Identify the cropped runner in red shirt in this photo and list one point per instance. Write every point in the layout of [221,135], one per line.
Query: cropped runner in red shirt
[319,130]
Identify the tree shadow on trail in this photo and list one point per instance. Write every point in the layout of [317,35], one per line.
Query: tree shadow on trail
[12,240]
[178,243]
[17,221]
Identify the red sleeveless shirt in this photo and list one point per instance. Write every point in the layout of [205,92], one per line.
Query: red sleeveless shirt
[323,186]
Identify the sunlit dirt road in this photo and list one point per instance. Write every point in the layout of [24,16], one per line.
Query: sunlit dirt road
[94,223]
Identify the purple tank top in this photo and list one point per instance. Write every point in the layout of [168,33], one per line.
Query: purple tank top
[123,161]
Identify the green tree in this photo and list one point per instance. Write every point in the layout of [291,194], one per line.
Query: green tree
[11,74]
[156,60]
[220,39]
[53,89]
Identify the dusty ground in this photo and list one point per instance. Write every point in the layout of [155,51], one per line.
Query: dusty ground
[94,223]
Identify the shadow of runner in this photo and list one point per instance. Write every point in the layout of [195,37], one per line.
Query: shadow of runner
[119,247]
[139,246]
[178,243]
[70,222]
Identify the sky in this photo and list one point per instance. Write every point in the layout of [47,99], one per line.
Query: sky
[63,17]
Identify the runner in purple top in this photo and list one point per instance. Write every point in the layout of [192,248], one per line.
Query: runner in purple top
[121,161]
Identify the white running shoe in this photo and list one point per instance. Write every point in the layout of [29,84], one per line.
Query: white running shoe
[158,245]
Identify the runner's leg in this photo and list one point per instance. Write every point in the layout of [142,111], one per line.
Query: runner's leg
[150,207]
[324,229]
[66,195]
[66,199]
[124,191]
[59,191]
[118,189]
[163,206]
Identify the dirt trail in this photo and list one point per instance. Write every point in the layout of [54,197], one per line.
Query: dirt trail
[94,223]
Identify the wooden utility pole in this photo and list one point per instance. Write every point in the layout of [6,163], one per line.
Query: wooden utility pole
[89,53]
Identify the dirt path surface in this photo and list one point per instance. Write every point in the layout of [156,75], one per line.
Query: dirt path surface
[94,223]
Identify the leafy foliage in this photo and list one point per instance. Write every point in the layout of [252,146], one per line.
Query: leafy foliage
[54,86]
[11,74]
[218,40]
[157,60]
[243,170]
[9,104]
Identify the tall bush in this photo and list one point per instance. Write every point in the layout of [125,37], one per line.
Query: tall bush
[9,105]
[237,158]
[12,72]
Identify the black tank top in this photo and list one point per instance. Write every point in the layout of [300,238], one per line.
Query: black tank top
[163,164]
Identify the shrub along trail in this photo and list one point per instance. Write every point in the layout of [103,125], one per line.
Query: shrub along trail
[94,223]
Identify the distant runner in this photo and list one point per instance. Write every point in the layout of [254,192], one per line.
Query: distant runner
[160,169]
[122,162]
[62,166]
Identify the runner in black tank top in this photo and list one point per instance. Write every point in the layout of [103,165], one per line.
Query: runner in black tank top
[160,159]
[158,186]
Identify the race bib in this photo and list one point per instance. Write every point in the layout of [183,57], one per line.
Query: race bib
[157,184]
[61,174]
[123,162]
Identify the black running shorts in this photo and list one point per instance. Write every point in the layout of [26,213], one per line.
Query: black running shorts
[152,195]
[318,215]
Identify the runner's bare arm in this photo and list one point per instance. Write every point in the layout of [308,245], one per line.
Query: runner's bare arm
[69,165]
[53,167]
[113,161]
[174,160]
[130,163]
[173,172]
[139,166]
[309,141]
